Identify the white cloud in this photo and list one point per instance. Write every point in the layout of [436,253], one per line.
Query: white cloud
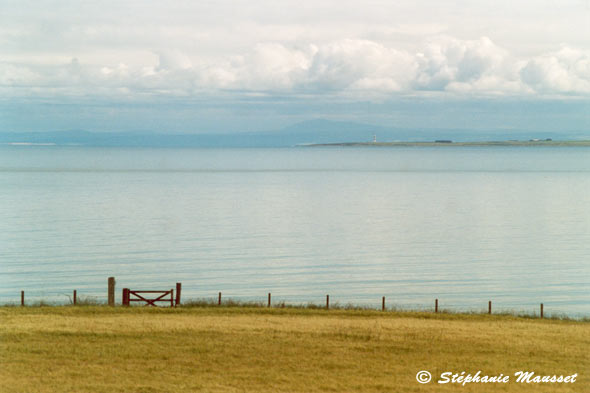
[14,75]
[475,65]
[564,71]
[352,67]
[244,56]
[330,47]
[271,66]
[360,65]
[173,60]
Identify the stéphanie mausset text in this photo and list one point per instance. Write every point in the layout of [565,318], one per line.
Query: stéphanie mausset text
[520,377]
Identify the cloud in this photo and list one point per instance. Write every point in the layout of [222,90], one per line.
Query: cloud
[15,75]
[360,65]
[455,65]
[379,49]
[353,67]
[173,60]
[564,71]
[271,66]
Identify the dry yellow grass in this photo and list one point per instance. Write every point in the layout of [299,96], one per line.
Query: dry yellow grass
[100,349]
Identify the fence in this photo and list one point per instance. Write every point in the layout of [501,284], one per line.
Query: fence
[167,296]
[141,296]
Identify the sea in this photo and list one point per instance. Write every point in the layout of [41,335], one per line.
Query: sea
[464,225]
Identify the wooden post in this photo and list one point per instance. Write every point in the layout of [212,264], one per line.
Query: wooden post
[22,298]
[383,304]
[435,305]
[125,297]
[490,307]
[327,302]
[269,299]
[178,289]
[171,297]
[111,292]
[219,300]
[75,297]
[541,310]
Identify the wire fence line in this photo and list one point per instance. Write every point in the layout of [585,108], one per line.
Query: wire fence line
[61,298]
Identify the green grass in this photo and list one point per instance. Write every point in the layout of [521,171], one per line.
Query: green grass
[290,349]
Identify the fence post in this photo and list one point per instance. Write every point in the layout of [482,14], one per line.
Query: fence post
[541,310]
[111,282]
[219,299]
[490,307]
[383,304]
[178,289]
[75,297]
[435,305]
[22,298]
[269,299]
[125,296]
[171,297]
[327,302]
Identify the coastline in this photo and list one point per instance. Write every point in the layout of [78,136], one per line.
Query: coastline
[544,143]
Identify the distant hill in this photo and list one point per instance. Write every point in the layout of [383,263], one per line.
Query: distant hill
[319,131]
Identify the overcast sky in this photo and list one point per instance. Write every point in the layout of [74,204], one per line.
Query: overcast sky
[216,66]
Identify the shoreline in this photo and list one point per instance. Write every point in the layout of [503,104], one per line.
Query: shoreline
[336,307]
[544,143]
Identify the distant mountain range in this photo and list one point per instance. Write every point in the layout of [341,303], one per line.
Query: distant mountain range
[317,131]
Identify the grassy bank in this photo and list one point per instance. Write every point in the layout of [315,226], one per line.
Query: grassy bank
[236,349]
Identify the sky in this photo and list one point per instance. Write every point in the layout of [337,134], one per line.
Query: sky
[258,65]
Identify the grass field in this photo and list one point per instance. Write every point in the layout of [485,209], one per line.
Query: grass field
[242,349]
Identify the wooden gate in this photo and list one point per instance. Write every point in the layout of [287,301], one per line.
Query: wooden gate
[142,296]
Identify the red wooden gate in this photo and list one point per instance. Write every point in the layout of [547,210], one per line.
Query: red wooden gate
[138,296]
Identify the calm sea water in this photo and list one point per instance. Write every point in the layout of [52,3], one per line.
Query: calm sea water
[464,225]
